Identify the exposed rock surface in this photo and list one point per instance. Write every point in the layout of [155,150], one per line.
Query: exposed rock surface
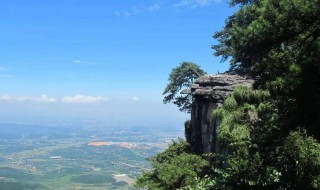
[209,92]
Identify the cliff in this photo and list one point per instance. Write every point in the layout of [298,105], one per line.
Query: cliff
[209,92]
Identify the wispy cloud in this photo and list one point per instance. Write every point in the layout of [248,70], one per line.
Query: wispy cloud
[6,76]
[42,98]
[45,99]
[154,7]
[136,10]
[6,98]
[4,73]
[195,3]
[135,98]
[128,13]
[3,68]
[83,62]
[83,99]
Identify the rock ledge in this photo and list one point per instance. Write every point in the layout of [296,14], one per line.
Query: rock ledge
[218,87]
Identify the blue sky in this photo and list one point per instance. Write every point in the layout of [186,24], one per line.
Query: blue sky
[101,59]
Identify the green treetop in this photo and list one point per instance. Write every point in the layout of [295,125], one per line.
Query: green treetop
[278,42]
[180,78]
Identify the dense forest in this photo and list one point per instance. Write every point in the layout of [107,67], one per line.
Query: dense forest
[276,42]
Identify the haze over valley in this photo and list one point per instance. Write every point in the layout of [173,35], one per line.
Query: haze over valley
[47,157]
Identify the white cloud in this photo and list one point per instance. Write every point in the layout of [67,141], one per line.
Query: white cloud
[135,98]
[154,7]
[128,13]
[82,62]
[42,98]
[45,99]
[6,98]
[6,75]
[83,99]
[136,10]
[195,3]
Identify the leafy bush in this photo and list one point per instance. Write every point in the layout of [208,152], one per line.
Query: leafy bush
[174,168]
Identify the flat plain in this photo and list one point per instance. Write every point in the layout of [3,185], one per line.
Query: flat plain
[40,157]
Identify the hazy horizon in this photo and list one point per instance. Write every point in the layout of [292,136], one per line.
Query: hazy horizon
[106,61]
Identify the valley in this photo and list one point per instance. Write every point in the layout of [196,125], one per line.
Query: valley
[64,158]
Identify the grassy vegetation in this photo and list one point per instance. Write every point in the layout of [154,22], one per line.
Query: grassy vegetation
[93,179]
[21,186]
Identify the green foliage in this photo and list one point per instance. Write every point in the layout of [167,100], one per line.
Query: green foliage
[201,184]
[299,162]
[278,42]
[174,168]
[181,77]
[238,112]
[258,155]
[265,25]
[269,136]
[243,130]
[246,95]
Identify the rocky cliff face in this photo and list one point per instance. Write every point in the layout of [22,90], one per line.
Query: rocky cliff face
[209,92]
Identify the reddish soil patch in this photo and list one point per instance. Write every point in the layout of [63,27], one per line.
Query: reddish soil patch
[99,144]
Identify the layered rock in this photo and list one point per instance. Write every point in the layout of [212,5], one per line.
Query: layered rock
[209,92]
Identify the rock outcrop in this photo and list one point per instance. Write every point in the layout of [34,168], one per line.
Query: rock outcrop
[209,92]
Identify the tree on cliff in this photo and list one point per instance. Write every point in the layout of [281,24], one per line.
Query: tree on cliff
[278,42]
[271,133]
[180,78]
